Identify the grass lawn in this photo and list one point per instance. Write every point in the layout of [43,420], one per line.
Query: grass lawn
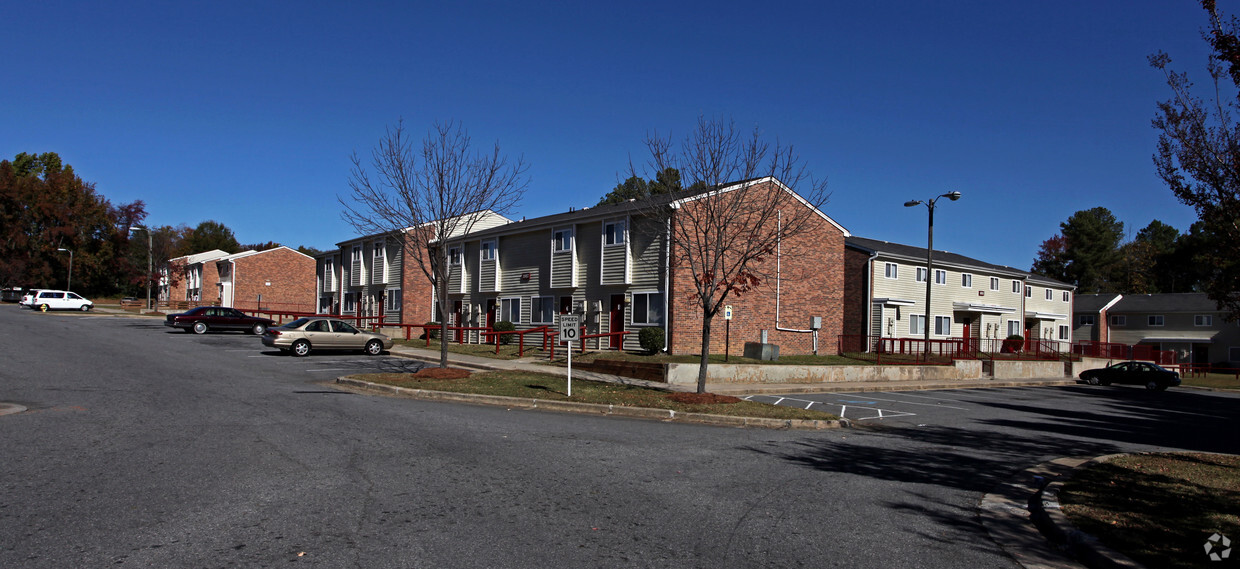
[1215,380]
[534,350]
[554,387]
[1158,509]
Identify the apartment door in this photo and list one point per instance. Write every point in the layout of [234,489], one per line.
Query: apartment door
[615,321]
[490,319]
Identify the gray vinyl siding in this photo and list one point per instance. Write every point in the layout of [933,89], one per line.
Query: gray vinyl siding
[355,266]
[488,276]
[520,254]
[562,269]
[647,240]
[615,263]
[396,260]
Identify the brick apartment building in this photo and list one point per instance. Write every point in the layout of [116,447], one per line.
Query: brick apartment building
[278,278]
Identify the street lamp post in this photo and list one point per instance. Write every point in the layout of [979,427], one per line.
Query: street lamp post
[70,252]
[149,261]
[953,196]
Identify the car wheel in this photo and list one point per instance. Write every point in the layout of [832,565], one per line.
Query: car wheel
[374,347]
[258,329]
[85,308]
[43,307]
[301,348]
[1152,386]
[1094,380]
[200,327]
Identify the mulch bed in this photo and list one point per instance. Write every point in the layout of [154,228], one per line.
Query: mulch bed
[702,398]
[441,373]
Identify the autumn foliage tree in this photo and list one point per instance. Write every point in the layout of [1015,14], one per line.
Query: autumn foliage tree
[44,207]
[1199,153]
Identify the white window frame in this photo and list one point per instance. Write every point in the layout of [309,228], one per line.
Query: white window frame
[1203,320]
[506,305]
[891,271]
[942,325]
[940,277]
[966,280]
[611,237]
[917,325]
[539,305]
[1016,287]
[1065,332]
[488,250]
[921,275]
[1028,291]
[391,300]
[652,299]
[1050,294]
[454,256]
[1087,320]
[1155,320]
[1067,296]
[1119,320]
[994,283]
[562,240]
[1014,329]
[350,303]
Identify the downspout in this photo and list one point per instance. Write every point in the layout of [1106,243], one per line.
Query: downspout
[868,308]
[779,216]
[667,274]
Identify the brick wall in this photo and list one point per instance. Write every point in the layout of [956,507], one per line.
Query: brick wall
[856,291]
[417,295]
[811,284]
[291,274]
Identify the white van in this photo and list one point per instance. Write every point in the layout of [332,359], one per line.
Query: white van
[60,300]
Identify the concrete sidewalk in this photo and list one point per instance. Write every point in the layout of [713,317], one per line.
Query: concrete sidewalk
[538,366]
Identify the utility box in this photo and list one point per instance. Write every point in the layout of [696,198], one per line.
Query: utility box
[761,351]
[815,322]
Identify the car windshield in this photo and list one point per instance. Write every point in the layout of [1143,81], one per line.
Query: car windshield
[298,323]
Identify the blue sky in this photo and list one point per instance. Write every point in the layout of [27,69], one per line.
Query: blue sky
[248,112]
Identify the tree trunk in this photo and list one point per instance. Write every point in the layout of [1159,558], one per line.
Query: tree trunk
[701,382]
[442,292]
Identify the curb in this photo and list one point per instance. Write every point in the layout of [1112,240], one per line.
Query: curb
[855,388]
[1047,514]
[594,408]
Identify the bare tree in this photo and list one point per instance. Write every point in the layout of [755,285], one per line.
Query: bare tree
[745,198]
[424,198]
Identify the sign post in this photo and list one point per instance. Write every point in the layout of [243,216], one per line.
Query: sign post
[570,331]
[727,335]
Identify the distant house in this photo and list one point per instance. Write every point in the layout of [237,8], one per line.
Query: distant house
[280,278]
[886,296]
[1188,323]
[1090,323]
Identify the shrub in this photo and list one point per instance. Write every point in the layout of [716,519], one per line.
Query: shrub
[432,328]
[1013,344]
[651,340]
[504,326]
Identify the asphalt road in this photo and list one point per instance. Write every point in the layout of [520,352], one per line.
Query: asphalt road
[149,448]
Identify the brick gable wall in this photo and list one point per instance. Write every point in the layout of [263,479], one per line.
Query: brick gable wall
[291,274]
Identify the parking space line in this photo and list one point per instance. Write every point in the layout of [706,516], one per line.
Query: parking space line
[843,404]
[939,405]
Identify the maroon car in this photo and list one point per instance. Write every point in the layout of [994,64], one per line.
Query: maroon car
[200,320]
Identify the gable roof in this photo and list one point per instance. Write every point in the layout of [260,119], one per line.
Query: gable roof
[1167,302]
[201,257]
[915,254]
[1093,303]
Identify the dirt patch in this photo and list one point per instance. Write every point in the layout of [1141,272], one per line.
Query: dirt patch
[701,398]
[441,373]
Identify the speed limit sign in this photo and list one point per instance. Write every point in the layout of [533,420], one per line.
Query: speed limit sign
[570,327]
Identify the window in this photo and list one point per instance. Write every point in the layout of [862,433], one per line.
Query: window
[341,327]
[966,280]
[1203,320]
[917,324]
[1049,294]
[1119,320]
[1155,320]
[940,277]
[562,240]
[542,310]
[1067,296]
[487,251]
[891,270]
[350,302]
[1064,332]
[613,233]
[1028,292]
[1016,286]
[921,274]
[510,309]
[454,255]
[1086,319]
[1013,327]
[378,256]
[391,300]
[994,283]
[1233,353]
[942,325]
[648,308]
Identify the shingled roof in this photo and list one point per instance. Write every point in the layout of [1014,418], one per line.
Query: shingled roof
[915,254]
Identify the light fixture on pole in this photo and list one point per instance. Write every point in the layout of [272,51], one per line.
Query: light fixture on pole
[149,261]
[70,252]
[953,196]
